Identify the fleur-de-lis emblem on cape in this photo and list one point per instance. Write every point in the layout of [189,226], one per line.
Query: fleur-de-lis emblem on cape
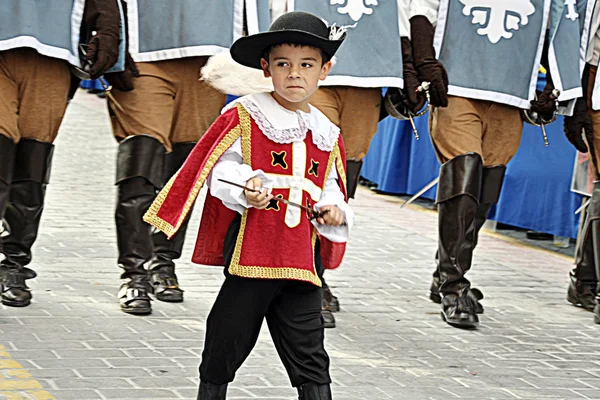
[498,18]
[355,8]
[572,13]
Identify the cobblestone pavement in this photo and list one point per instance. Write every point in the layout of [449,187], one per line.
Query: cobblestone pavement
[73,342]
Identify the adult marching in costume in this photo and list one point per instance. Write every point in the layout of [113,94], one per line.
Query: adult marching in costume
[160,122]
[478,87]
[39,43]
[274,251]
[581,129]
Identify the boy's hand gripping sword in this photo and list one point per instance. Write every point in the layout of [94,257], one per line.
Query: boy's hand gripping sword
[312,212]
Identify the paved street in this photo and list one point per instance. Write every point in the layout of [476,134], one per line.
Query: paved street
[73,342]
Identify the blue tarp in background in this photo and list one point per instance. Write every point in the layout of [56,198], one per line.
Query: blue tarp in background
[536,193]
[92,84]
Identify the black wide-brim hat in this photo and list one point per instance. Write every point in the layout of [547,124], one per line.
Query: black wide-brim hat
[295,27]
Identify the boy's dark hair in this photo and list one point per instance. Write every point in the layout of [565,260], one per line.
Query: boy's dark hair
[267,52]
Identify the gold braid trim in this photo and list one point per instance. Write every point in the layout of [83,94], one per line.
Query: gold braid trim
[330,161]
[246,126]
[151,215]
[248,271]
[275,273]
[340,166]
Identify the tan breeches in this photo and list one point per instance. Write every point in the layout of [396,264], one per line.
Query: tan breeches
[492,130]
[34,92]
[355,111]
[168,103]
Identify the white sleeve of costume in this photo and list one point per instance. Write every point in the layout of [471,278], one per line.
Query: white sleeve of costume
[333,196]
[427,8]
[231,167]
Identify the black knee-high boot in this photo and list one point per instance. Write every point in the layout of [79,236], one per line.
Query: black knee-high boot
[491,186]
[23,214]
[594,222]
[8,149]
[162,266]
[458,201]
[139,176]
[583,279]
[353,168]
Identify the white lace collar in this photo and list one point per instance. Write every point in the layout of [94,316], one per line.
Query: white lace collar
[285,126]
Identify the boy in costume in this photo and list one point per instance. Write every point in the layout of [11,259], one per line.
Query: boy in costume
[281,148]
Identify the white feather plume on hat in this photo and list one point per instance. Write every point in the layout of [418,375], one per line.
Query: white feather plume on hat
[229,77]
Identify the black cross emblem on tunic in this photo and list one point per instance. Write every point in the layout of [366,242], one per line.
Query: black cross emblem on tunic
[314,168]
[273,203]
[279,159]
[308,214]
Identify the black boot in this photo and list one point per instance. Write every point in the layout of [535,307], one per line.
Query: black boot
[491,186]
[581,293]
[162,268]
[583,280]
[332,301]
[8,150]
[328,318]
[593,211]
[328,302]
[23,213]
[458,202]
[314,391]
[139,176]
[210,391]
[353,168]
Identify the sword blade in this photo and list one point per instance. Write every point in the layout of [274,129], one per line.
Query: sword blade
[420,192]
[291,203]
[583,206]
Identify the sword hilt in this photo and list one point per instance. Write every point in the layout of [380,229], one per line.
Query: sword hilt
[424,88]
[320,214]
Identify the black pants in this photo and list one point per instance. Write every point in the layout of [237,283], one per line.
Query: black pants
[293,313]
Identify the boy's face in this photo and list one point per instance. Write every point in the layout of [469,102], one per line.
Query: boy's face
[295,71]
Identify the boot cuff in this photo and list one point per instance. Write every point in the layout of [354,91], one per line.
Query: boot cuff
[459,176]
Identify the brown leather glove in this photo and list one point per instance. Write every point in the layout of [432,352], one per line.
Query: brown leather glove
[413,100]
[103,49]
[429,69]
[573,125]
[123,81]
[545,104]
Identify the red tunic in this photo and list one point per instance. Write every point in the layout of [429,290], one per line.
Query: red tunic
[276,243]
